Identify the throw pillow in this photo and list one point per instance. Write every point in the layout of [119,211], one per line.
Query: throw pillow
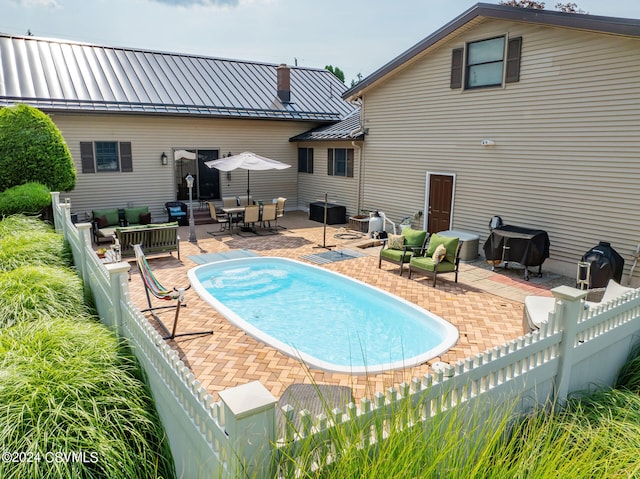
[102,221]
[145,218]
[175,211]
[396,241]
[439,253]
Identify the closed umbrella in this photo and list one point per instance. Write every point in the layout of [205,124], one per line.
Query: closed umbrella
[246,161]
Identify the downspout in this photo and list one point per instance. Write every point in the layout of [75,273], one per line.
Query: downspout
[358,131]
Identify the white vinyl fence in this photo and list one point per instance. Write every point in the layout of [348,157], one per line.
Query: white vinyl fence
[236,436]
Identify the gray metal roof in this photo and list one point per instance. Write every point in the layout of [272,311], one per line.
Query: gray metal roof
[347,129]
[608,25]
[62,75]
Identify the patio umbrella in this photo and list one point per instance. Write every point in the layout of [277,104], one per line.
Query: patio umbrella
[246,161]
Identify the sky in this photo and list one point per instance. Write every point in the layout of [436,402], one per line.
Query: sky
[358,36]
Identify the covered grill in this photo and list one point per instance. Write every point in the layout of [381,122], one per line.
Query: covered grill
[604,263]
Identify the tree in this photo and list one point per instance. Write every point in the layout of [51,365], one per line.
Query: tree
[356,80]
[336,71]
[562,7]
[32,149]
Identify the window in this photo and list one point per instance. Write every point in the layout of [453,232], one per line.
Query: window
[305,160]
[340,162]
[484,63]
[106,156]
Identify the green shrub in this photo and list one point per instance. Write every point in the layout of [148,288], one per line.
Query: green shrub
[66,389]
[27,240]
[30,198]
[32,149]
[34,293]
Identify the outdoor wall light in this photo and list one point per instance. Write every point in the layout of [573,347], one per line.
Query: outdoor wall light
[228,176]
[163,159]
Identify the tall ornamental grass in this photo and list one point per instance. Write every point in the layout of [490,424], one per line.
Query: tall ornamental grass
[67,389]
[73,402]
[594,435]
[27,240]
[33,293]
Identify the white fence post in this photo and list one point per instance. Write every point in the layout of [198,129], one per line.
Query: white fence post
[55,200]
[570,308]
[84,236]
[118,275]
[249,420]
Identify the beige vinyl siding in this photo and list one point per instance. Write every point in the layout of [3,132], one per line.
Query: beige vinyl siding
[152,184]
[341,190]
[567,140]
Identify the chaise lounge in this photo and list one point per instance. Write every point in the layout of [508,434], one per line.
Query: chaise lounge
[537,308]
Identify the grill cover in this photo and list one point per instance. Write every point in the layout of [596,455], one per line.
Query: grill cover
[606,264]
[526,246]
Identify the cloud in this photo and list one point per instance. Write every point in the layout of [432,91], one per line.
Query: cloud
[38,3]
[191,3]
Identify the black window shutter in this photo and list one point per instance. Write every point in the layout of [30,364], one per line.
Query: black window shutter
[126,161]
[86,157]
[350,162]
[456,67]
[330,162]
[513,60]
[310,160]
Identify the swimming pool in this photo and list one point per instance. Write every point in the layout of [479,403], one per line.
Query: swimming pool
[326,319]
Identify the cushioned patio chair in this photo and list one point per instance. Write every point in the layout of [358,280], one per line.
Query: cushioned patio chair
[399,248]
[537,308]
[441,256]
[177,211]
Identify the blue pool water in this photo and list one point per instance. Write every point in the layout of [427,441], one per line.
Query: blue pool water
[326,319]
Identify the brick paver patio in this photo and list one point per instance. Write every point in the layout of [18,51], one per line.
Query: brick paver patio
[485,306]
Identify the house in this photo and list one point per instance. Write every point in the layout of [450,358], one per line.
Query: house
[138,122]
[532,115]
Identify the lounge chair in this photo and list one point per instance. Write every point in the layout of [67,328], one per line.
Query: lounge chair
[153,287]
[399,248]
[537,308]
[431,261]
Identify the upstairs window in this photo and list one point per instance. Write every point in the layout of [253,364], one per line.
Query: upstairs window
[305,160]
[340,162]
[485,63]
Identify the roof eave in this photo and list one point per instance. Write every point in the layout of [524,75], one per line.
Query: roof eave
[600,24]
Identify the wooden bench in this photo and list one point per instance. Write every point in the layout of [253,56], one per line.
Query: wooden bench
[154,238]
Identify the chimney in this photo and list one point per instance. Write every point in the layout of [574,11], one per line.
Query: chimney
[284,83]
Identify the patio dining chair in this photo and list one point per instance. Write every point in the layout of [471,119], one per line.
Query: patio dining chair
[223,219]
[268,215]
[251,217]
[280,211]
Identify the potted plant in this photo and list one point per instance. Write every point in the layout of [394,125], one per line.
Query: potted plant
[101,252]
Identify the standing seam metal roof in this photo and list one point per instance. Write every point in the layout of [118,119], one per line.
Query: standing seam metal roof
[61,75]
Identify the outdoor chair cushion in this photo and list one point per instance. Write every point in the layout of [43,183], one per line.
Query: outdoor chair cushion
[132,215]
[396,255]
[414,238]
[427,263]
[176,211]
[112,216]
[396,242]
[450,243]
